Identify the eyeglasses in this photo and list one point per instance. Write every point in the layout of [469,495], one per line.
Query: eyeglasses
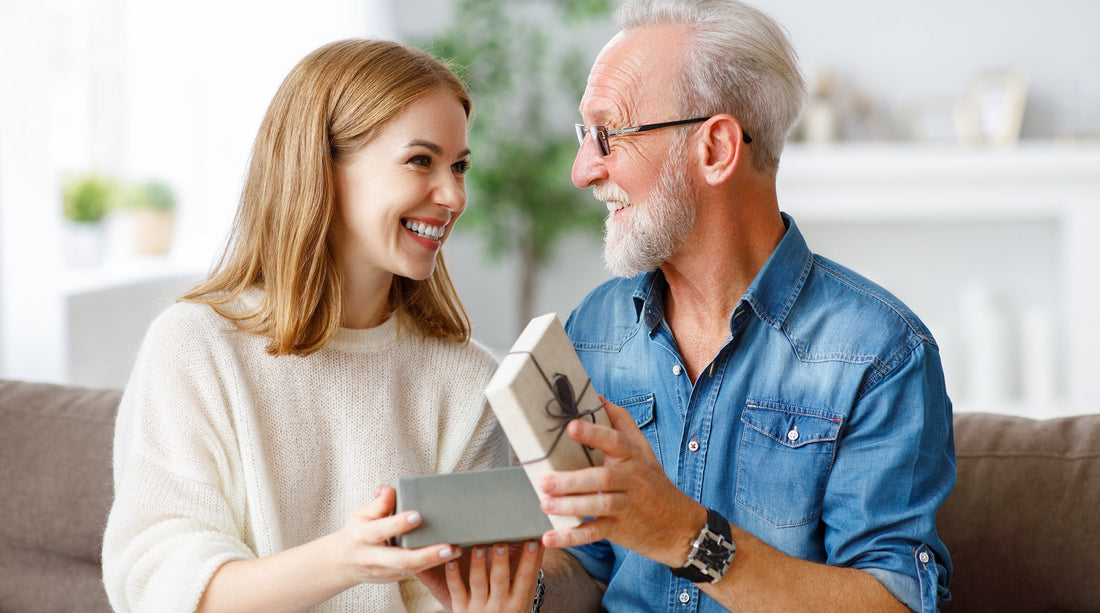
[601,134]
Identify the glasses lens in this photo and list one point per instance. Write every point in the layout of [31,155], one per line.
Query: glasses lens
[599,134]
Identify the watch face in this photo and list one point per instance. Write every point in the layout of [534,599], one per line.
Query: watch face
[716,553]
[711,552]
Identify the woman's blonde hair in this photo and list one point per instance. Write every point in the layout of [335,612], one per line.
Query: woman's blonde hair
[332,103]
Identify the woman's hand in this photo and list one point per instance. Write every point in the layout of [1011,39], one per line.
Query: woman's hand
[303,577]
[499,579]
[365,537]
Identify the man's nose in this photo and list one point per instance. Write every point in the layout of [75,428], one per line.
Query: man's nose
[588,166]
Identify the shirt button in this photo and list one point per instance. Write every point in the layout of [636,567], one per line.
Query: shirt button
[677,371]
[694,445]
[685,597]
[924,557]
[792,436]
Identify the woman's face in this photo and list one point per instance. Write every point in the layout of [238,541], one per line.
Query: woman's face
[399,196]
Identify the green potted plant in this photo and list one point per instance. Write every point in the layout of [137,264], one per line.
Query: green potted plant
[526,71]
[87,199]
[152,207]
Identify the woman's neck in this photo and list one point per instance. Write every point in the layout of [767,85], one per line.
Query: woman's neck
[366,300]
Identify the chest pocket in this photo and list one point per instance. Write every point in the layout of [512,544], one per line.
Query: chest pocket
[641,407]
[786,454]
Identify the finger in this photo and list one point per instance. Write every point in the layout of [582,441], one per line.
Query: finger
[500,575]
[479,582]
[378,531]
[385,500]
[581,481]
[588,532]
[385,564]
[460,598]
[616,441]
[527,571]
[599,504]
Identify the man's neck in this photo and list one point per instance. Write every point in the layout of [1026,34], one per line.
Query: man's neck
[708,277]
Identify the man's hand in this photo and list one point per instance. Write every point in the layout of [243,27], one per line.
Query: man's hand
[629,498]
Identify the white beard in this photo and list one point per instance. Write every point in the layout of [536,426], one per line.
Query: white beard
[646,235]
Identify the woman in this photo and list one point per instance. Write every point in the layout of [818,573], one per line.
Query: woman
[325,356]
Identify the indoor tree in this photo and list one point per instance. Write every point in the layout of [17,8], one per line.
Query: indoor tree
[525,63]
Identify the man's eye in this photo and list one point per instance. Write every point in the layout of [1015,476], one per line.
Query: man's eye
[461,167]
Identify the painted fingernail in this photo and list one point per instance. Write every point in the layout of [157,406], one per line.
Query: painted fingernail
[450,565]
[479,552]
[446,552]
[500,550]
[532,545]
[414,518]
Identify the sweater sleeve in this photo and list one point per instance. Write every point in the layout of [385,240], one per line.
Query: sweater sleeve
[179,502]
[471,437]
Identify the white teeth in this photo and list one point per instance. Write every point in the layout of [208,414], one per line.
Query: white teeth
[615,206]
[424,230]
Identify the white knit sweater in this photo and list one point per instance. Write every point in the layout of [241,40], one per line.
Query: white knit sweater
[223,452]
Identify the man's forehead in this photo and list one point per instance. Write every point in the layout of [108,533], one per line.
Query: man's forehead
[632,74]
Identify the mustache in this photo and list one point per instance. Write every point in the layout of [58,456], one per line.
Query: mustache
[609,192]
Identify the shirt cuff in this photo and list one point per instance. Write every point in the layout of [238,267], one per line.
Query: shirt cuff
[922,592]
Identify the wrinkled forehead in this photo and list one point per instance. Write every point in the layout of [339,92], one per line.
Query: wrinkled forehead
[632,78]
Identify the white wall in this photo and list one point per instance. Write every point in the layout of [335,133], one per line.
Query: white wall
[906,52]
[189,83]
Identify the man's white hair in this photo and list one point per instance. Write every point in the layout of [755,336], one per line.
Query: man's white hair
[737,60]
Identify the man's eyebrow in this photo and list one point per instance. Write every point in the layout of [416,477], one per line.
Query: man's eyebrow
[434,148]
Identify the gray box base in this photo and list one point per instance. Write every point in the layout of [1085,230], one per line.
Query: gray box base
[472,508]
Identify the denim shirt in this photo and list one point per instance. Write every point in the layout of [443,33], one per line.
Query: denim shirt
[822,426]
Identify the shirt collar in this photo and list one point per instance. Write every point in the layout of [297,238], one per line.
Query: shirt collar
[771,295]
[777,285]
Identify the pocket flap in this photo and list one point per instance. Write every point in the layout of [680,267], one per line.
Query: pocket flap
[641,407]
[790,425]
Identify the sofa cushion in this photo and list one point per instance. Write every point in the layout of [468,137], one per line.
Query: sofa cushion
[55,475]
[1023,523]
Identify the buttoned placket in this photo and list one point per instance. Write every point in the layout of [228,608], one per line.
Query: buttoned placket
[696,404]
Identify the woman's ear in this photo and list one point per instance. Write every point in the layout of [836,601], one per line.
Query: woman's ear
[721,148]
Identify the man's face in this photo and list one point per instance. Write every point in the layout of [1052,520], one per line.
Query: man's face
[643,240]
[645,180]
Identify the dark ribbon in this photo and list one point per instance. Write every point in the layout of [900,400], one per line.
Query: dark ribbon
[561,394]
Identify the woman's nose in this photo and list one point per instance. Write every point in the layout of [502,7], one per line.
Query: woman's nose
[451,194]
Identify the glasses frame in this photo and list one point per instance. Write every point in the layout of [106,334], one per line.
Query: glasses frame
[601,134]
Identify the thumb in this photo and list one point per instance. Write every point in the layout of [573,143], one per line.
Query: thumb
[620,418]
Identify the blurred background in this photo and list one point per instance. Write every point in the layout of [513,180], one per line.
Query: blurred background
[951,152]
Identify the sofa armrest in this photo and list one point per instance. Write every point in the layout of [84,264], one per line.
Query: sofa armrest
[55,475]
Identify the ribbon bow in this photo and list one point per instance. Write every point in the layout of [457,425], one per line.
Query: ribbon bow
[561,394]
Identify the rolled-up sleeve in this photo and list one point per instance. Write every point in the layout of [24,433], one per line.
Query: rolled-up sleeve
[893,471]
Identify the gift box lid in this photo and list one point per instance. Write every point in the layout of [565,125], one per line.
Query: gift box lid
[539,387]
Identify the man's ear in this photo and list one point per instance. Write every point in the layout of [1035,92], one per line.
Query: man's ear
[721,148]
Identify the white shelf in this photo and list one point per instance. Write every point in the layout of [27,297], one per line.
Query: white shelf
[1052,187]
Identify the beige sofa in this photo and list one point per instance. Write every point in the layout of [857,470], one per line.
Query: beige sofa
[1023,524]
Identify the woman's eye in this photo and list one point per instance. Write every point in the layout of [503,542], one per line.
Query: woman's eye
[421,160]
[461,167]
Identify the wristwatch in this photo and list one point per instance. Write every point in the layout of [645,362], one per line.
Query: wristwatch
[711,552]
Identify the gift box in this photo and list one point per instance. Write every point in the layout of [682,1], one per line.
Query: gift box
[471,508]
[539,387]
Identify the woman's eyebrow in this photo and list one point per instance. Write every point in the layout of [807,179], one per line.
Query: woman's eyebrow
[436,149]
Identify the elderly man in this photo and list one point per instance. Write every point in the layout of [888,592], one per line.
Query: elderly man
[781,433]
